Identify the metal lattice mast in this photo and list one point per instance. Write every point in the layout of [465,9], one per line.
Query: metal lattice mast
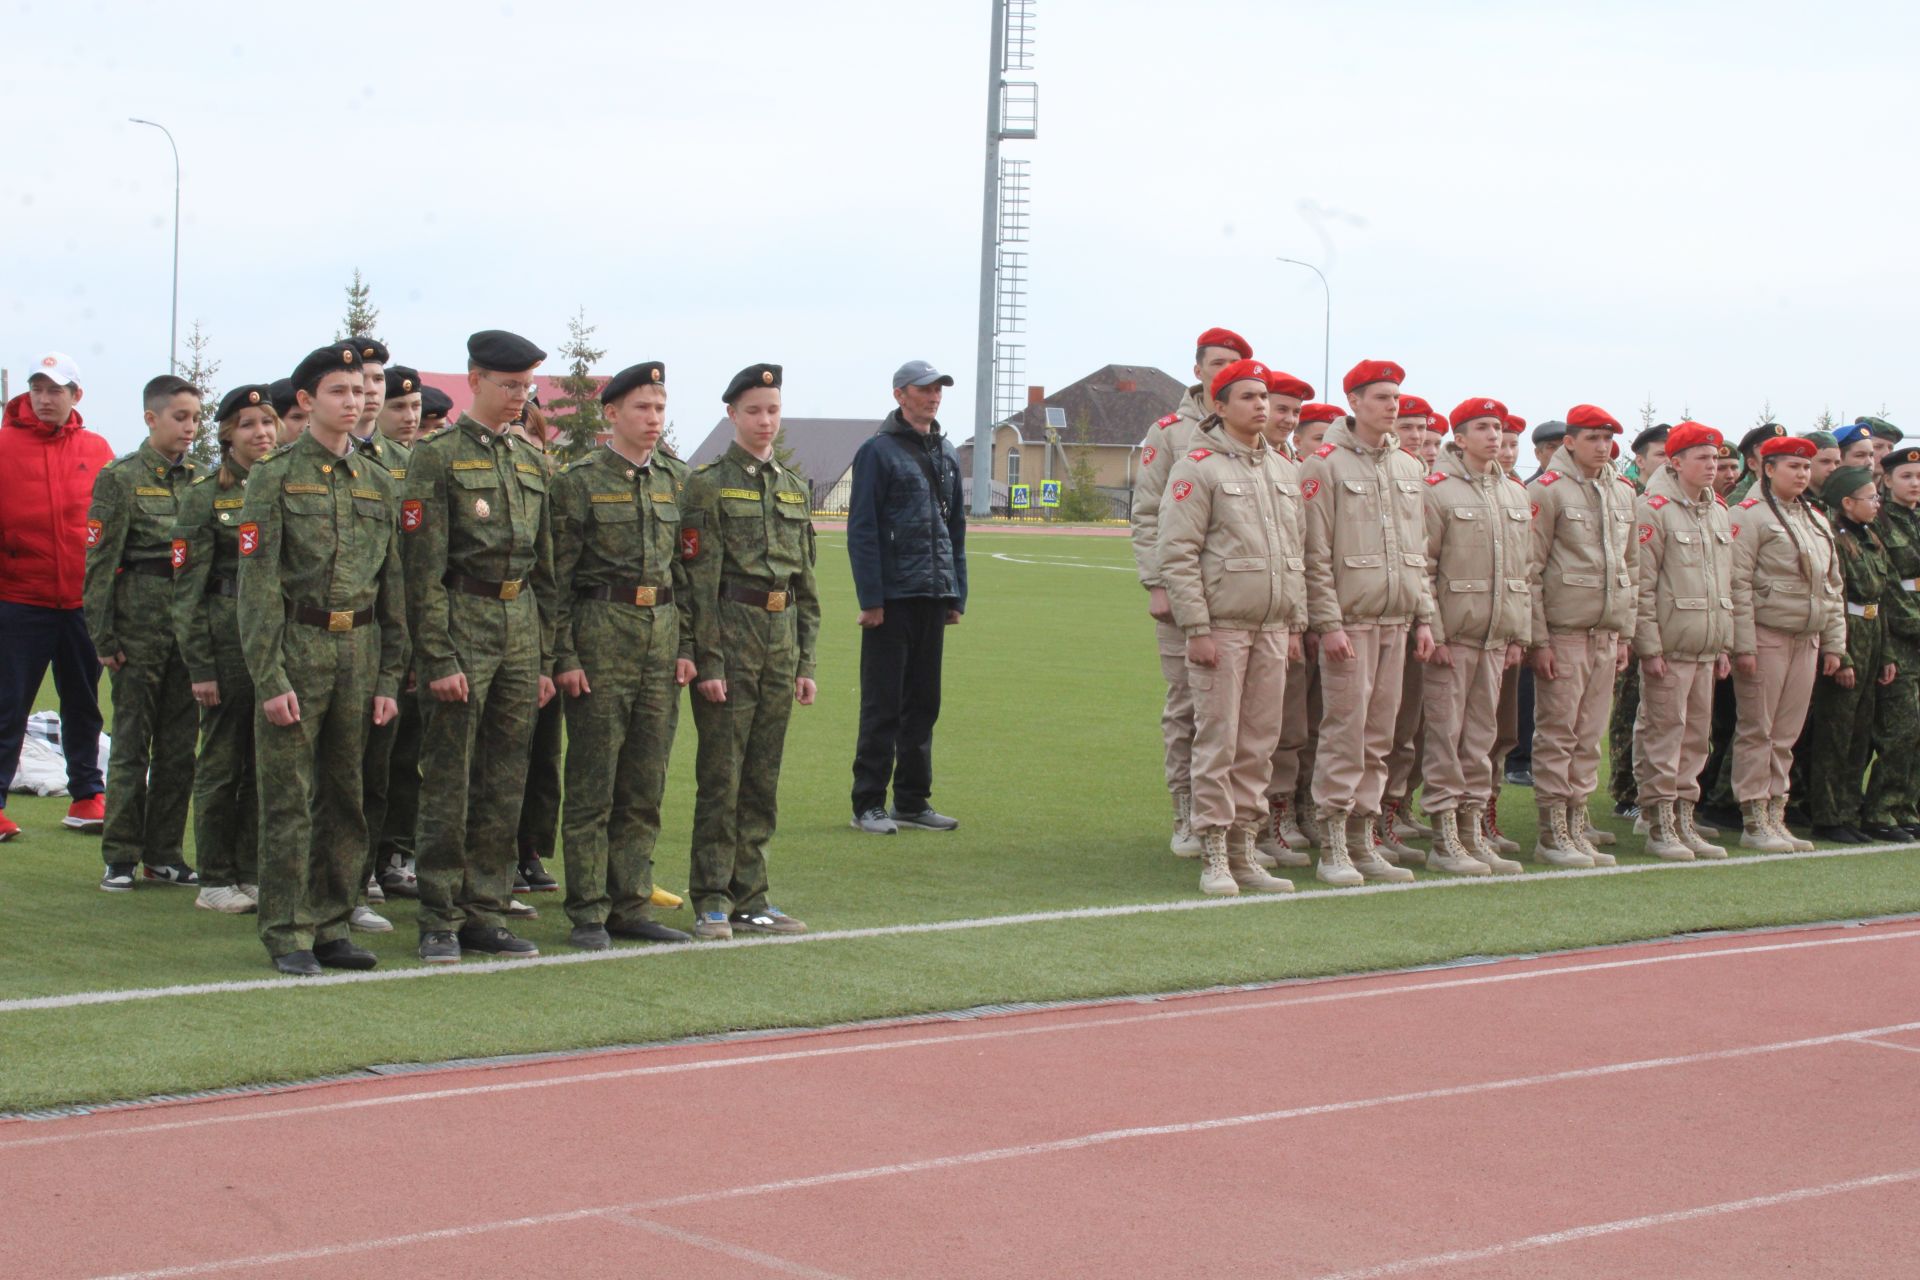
[1013,108]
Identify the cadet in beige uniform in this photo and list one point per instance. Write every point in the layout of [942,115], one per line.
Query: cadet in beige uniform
[1366,586]
[1584,597]
[1789,615]
[1479,550]
[1418,427]
[1682,632]
[1282,842]
[1231,564]
[1167,441]
[1508,735]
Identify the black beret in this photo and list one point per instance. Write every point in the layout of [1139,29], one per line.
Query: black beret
[281,392]
[402,381]
[243,398]
[1899,458]
[371,350]
[323,361]
[754,375]
[435,403]
[1651,436]
[650,374]
[1760,435]
[503,352]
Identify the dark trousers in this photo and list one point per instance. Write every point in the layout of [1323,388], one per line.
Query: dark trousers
[899,701]
[1521,757]
[30,638]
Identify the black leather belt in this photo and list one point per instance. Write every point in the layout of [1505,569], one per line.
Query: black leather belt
[771,601]
[331,619]
[152,568]
[223,587]
[508,590]
[629,593]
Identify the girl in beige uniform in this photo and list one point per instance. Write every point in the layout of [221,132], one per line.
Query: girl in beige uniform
[1788,615]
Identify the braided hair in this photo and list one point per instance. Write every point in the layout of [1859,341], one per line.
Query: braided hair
[1766,491]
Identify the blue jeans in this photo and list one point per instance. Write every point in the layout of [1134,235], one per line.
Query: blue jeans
[30,638]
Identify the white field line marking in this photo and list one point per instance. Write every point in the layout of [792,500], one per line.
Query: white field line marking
[995,1154]
[1623,1224]
[740,1252]
[1061,563]
[1888,1044]
[76,999]
[921,1042]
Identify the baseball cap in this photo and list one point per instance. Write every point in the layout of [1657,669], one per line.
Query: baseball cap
[918,373]
[57,365]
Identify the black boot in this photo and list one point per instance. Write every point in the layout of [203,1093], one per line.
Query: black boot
[343,954]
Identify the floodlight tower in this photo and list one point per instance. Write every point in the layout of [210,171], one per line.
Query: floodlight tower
[1013,114]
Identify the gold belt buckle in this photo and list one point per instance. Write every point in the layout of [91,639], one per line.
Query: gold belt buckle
[340,620]
[510,590]
[776,601]
[1870,611]
[643,596]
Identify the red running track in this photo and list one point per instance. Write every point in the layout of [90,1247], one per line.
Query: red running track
[1727,1108]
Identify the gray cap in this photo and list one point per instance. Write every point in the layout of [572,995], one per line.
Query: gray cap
[918,373]
[1550,432]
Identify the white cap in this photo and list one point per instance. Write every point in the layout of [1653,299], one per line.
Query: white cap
[57,365]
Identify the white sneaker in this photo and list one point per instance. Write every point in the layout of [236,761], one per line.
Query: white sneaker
[225,899]
[251,890]
[367,920]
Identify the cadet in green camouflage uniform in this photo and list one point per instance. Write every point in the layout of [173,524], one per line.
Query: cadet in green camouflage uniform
[539,830]
[480,599]
[747,529]
[128,596]
[206,623]
[1892,808]
[1841,734]
[321,600]
[623,648]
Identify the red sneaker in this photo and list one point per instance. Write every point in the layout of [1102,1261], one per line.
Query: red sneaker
[8,827]
[88,815]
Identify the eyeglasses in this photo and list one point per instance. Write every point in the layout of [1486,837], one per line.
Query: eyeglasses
[514,387]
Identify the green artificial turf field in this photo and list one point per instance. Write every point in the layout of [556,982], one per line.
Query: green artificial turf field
[1048,751]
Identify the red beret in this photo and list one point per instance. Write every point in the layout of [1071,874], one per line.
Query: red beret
[1479,407]
[1515,423]
[1320,413]
[1285,384]
[1686,435]
[1588,415]
[1239,371]
[1438,422]
[1371,371]
[1792,446]
[1226,338]
[1415,407]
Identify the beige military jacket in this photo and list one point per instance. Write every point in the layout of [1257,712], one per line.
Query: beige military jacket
[1167,441]
[1365,533]
[1686,573]
[1786,575]
[1230,553]
[1583,551]
[1480,553]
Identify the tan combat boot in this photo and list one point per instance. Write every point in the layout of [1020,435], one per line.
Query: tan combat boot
[1756,830]
[1553,845]
[1336,868]
[1276,845]
[1406,827]
[1306,815]
[1472,835]
[1185,843]
[1690,834]
[1392,848]
[1490,831]
[1363,846]
[1451,855]
[1663,833]
[1777,818]
[1216,878]
[1247,873]
[1579,827]
[1598,837]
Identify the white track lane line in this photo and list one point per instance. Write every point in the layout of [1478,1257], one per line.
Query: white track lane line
[740,1252]
[1494,884]
[1339,996]
[1888,1044]
[995,1154]
[1410,1265]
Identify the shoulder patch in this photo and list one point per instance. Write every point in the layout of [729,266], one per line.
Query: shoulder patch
[202,479]
[1147,456]
[1200,455]
[706,466]
[1749,502]
[1646,533]
[1717,498]
[1324,451]
[1548,477]
[1181,488]
[1168,421]
[1436,478]
[1656,501]
[1623,480]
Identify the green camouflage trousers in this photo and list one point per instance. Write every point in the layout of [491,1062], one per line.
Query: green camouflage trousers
[1840,729]
[390,789]
[1893,792]
[155,723]
[226,803]
[619,739]
[313,833]
[540,806]
[1626,706]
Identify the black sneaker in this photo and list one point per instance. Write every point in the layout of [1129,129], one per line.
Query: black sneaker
[299,964]
[440,947]
[925,820]
[495,941]
[175,873]
[1626,809]
[766,920]
[1520,777]
[119,878]
[1880,831]
[533,878]
[646,931]
[342,954]
[1838,833]
[589,937]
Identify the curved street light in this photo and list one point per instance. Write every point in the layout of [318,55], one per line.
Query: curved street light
[173,332]
[1326,330]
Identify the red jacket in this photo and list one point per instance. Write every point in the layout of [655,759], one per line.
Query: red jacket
[46,485]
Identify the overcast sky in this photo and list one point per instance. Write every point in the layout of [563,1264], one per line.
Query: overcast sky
[1707,204]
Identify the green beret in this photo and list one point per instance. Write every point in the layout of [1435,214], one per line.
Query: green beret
[1823,439]
[1844,483]
[1881,428]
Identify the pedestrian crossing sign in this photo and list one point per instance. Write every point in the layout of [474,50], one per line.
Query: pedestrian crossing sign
[1049,493]
[1020,497]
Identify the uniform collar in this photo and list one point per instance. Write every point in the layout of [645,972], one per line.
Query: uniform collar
[750,464]
[158,463]
[483,434]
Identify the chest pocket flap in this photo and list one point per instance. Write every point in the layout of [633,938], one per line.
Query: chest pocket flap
[1466,513]
[470,478]
[1238,488]
[616,512]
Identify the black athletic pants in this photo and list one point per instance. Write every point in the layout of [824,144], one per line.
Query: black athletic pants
[899,701]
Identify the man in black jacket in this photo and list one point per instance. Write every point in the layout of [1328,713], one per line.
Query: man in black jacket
[907,539]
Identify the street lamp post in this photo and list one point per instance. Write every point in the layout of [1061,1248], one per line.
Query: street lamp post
[1326,330]
[173,332]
